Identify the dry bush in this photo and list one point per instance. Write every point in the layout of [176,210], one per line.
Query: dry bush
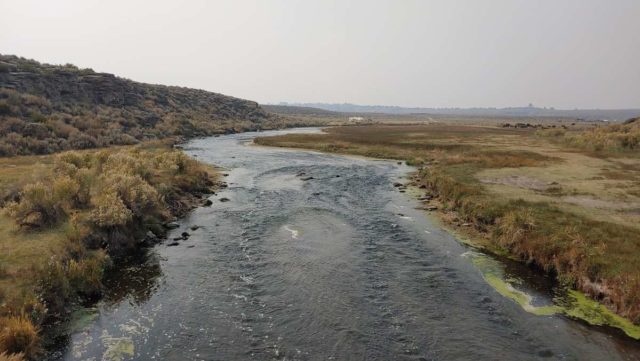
[19,336]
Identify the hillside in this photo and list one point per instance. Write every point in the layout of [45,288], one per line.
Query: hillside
[48,108]
[295,110]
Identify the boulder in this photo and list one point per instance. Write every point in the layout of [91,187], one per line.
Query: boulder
[171,225]
[224,199]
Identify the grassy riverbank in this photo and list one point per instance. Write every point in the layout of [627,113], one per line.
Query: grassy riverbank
[67,218]
[570,211]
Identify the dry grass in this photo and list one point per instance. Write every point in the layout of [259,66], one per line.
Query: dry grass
[615,138]
[11,357]
[18,335]
[583,243]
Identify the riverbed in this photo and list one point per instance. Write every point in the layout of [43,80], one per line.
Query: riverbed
[318,257]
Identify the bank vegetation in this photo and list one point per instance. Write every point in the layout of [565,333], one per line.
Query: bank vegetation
[67,219]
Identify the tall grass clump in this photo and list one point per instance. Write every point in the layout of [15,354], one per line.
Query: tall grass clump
[19,336]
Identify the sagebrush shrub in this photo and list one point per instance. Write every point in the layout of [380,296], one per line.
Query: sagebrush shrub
[43,204]
[109,211]
[136,194]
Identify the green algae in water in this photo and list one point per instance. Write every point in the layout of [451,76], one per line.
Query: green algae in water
[81,319]
[573,304]
[523,299]
[493,273]
[118,348]
[577,305]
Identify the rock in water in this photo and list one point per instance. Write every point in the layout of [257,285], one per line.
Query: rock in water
[171,225]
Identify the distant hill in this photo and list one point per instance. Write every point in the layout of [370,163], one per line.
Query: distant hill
[48,108]
[587,114]
[300,110]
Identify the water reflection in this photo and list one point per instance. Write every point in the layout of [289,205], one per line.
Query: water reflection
[135,281]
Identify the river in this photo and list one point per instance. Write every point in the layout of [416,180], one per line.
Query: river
[318,257]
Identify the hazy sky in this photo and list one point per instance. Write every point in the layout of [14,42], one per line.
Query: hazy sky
[562,53]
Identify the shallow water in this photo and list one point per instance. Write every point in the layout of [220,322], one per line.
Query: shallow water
[339,267]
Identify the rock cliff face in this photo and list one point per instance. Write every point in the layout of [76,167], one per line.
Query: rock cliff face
[47,108]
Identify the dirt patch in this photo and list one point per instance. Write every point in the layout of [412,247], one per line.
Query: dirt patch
[520,182]
[589,202]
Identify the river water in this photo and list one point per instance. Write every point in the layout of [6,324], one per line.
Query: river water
[338,267]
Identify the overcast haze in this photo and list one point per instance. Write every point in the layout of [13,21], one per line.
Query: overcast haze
[573,53]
